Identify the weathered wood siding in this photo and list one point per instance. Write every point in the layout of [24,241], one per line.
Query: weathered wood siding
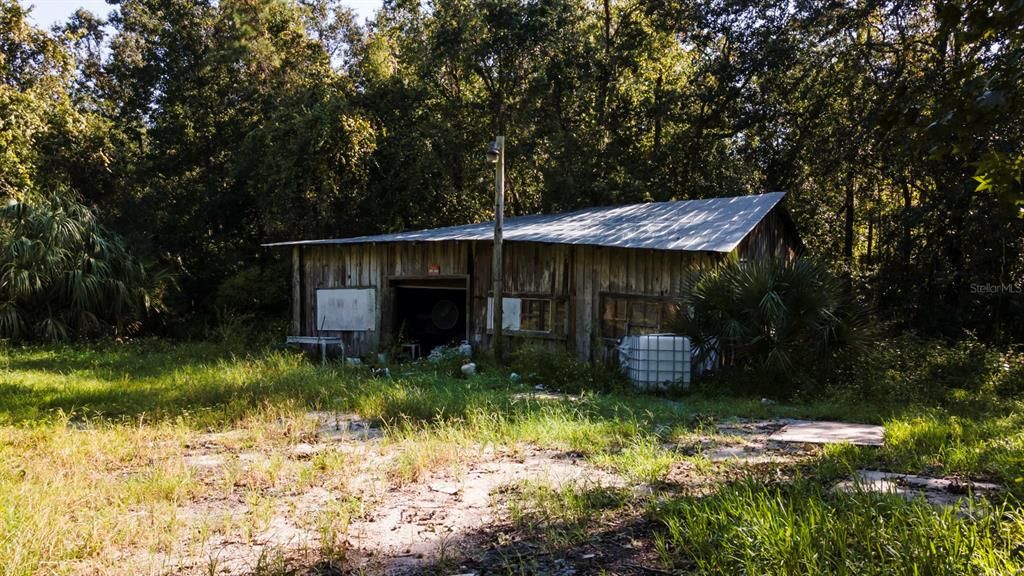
[531,270]
[371,266]
[574,278]
[598,271]
[774,236]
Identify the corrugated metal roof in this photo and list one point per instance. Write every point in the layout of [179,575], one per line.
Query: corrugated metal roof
[711,225]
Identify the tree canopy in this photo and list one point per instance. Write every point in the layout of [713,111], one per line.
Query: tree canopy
[194,130]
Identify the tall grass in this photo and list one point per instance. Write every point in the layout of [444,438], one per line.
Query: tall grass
[92,442]
[202,386]
[562,516]
[750,528]
[71,497]
[987,447]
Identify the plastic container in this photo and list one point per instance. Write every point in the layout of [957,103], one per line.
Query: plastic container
[656,361]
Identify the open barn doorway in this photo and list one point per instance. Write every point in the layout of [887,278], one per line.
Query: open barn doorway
[430,312]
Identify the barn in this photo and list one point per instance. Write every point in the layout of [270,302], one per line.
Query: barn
[577,280]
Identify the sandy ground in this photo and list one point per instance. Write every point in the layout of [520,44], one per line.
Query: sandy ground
[367,522]
[384,527]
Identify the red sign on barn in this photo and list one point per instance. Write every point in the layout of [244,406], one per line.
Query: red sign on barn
[434,269]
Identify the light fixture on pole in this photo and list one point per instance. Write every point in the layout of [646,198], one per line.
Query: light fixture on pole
[496,156]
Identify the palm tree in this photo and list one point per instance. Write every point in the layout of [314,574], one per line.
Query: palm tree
[62,274]
[789,320]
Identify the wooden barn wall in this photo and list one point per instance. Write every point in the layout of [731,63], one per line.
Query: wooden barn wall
[773,236]
[369,266]
[531,270]
[573,277]
[643,273]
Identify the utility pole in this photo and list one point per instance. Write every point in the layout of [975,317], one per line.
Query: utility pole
[497,154]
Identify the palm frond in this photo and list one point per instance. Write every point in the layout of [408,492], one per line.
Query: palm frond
[786,318]
[63,274]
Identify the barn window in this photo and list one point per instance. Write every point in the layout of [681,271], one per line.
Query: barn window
[523,314]
[535,315]
[625,315]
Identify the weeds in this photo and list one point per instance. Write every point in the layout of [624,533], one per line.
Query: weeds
[332,525]
[559,371]
[643,460]
[560,516]
[94,440]
[799,528]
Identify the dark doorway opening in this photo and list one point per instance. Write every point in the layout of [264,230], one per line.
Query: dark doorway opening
[431,313]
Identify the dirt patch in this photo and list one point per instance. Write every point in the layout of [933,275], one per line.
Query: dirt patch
[741,441]
[425,523]
[623,548]
[272,507]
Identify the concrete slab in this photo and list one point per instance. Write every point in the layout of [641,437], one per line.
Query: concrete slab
[954,485]
[749,455]
[830,433]
[938,491]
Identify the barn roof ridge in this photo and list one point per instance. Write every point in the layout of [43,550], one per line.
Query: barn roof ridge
[703,225]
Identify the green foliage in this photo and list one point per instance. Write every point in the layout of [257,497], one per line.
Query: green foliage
[799,528]
[561,371]
[895,128]
[788,324]
[979,444]
[963,375]
[1003,174]
[644,461]
[63,275]
[34,104]
[256,290]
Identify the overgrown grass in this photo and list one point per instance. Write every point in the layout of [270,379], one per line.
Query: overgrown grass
[73,495]
[799,528]
[92,441]
[643,461]
[561,516]
[200,386]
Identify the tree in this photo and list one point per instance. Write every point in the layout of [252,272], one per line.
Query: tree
[789,322]
[63,275]
[61,272]
[896,128]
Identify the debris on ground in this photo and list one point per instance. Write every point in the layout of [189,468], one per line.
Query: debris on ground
[440,353]
[742,441]
[820,432]
[937,491]
[546,396]
[343,426]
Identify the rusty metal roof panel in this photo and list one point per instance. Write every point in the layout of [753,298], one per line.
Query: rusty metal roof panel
[710,225]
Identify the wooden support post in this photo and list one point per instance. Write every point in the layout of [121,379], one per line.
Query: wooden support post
[499,268]
[296,327]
